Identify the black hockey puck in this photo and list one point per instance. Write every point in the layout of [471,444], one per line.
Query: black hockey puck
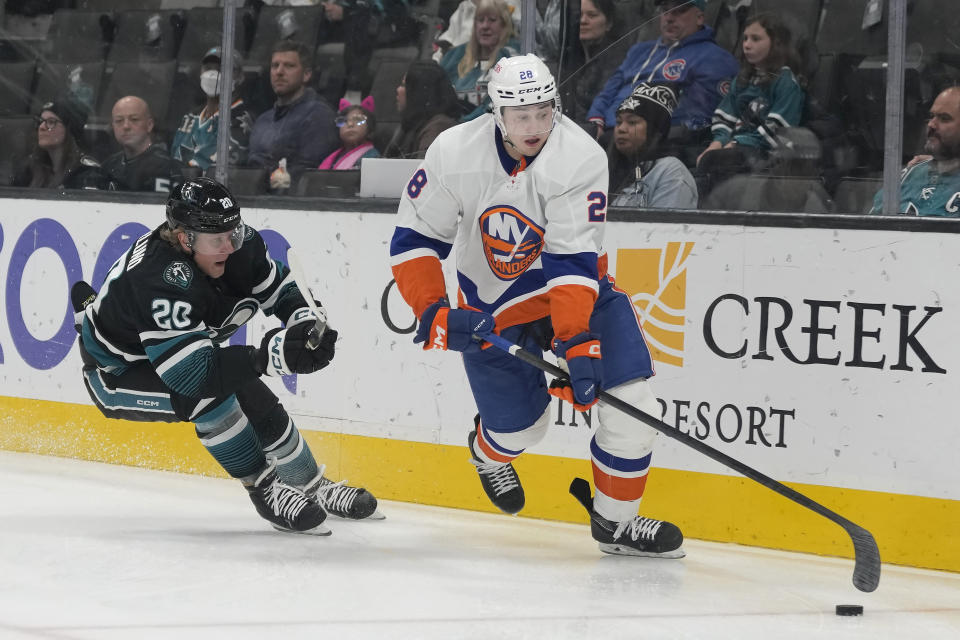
[849,610]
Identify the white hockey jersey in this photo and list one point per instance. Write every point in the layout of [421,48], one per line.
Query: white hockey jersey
[528,234]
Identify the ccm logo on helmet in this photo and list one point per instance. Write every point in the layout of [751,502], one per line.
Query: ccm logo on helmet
[532,90]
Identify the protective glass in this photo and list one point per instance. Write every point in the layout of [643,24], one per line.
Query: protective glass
[534,120]
[357,121]
[214,244]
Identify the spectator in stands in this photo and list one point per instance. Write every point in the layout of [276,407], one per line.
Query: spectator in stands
[460,26]
[766,98]
[641,174]
[468,65]
[685,55]
[141,164]
[364,25]
[357,125]
[930,185]
[428,106]
[57,161]
[299,129]
[195,142]
[600,51]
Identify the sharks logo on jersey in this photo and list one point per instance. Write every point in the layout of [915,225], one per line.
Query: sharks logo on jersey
[511,241]
[179,274]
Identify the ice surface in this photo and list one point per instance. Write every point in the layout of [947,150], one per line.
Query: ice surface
[94,551]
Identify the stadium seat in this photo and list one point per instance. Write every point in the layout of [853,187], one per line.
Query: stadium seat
[192,4]
[79,36]
[855,195]
[278,23]
[18,135]
[779,194]
[189,173]
[204,29]
[244,181]
[112,5]
[384,134]
[934,28]
[842,31]
[800,16]
[329,183]
[16,87]
[640,19]
[384,90]
[83,80]
[330,72]
[150,36]
[152,81]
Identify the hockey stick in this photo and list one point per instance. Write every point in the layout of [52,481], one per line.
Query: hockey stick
[296,269]
[866,570]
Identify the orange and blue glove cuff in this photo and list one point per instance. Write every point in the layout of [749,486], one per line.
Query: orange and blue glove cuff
[453,329]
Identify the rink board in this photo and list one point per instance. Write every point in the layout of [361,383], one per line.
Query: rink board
[820,357]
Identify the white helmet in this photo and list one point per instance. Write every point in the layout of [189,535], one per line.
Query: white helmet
[521,81]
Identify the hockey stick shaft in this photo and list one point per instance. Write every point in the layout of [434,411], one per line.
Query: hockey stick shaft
[296,268]
[866,572]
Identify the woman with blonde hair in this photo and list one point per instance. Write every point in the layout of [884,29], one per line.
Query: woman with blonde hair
[468,65]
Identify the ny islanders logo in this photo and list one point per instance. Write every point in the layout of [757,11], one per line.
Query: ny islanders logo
[656,281]
[511,241]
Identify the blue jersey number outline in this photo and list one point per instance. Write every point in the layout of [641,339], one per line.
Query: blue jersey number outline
[416,184]
[597,211]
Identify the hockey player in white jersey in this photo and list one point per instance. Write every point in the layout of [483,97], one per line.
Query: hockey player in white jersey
[522,195]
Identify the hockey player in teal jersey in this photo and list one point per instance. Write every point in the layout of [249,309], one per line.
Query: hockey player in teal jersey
[931,185]
[154,347]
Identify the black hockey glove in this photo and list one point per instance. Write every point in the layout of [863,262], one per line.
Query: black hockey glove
[286,351]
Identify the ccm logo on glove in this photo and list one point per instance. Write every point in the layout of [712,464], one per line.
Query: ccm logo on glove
[582,356]
[286,351]
[453,329]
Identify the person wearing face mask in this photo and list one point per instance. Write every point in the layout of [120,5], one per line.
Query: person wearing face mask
[195,142]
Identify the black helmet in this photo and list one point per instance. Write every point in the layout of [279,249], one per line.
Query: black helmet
[203,205]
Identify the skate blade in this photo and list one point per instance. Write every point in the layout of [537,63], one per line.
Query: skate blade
[623,550]
[319,530]
[376,515]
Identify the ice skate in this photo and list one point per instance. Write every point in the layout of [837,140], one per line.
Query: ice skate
[286,508]
[500,481]
[638,536]
[342,500]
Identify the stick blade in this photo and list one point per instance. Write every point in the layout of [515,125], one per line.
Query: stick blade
[866,568]
[580,489]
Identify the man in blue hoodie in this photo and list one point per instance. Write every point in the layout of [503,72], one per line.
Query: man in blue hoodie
[684,55]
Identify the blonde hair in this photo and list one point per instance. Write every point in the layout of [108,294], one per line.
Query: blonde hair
[472,54]
[171,236]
